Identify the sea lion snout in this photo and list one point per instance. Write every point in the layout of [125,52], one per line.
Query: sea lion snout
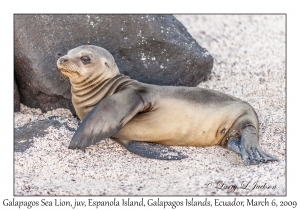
[67,67]
[61,60]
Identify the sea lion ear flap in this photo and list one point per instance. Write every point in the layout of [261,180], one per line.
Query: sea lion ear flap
[106,64]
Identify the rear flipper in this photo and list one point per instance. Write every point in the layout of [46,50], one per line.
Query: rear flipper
[151,150]
[249,148]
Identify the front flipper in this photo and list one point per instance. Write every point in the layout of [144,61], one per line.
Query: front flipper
[249,148]
[151,150]
[107,118]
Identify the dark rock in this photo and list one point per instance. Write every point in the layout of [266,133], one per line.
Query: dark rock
[23,136]
[154,49]
[16,98]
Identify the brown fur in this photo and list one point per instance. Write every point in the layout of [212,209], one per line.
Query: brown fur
[170,115]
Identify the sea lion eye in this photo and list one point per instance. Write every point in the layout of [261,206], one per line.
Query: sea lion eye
[85,60]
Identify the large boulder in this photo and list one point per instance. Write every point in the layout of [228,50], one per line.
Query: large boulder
[154,49]
[16,98]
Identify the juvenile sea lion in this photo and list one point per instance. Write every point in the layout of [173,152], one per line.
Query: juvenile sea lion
[144,117]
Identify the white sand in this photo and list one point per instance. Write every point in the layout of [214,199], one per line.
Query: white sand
[249,54]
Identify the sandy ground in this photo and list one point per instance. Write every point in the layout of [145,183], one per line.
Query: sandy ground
[249,54]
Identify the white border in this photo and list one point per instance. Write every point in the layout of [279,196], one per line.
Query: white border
[153,6]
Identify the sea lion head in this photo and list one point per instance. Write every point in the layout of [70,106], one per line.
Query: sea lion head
[87,60]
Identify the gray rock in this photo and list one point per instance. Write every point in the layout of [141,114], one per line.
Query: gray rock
[16,98]
[154,49]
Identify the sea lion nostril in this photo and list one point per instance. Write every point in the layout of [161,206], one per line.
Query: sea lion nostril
[62,60]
